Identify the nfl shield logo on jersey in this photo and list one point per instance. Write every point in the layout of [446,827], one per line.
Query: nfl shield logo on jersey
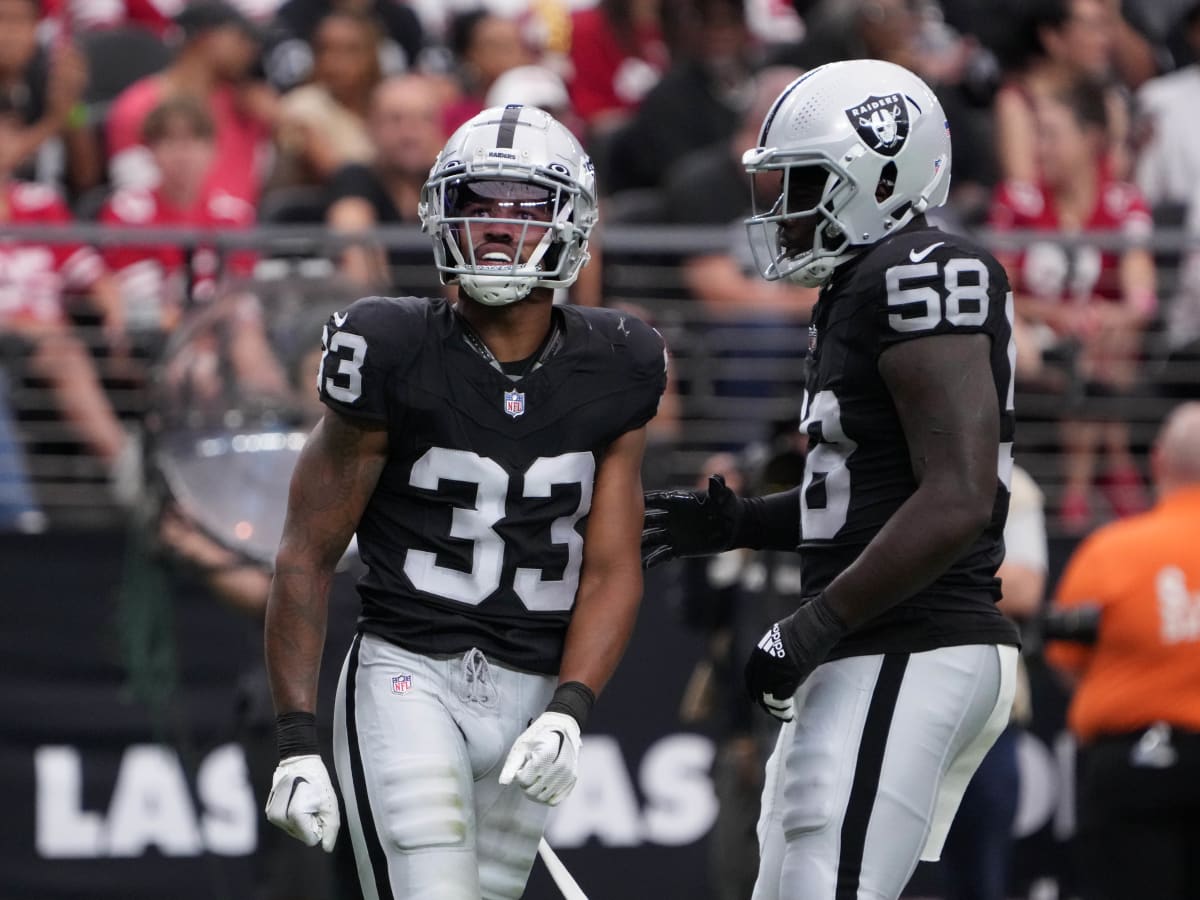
[401,684]
[514,403]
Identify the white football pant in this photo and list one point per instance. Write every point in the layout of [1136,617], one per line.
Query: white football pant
[419,742]
[866,779]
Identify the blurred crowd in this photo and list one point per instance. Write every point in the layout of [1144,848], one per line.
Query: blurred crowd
[1076,144]
[1069,117]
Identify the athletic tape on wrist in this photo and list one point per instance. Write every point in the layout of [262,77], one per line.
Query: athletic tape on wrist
[573,698]
[296,734]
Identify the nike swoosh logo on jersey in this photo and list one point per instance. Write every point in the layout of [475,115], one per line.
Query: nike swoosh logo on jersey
[295,784]
[917,257]
[339,319]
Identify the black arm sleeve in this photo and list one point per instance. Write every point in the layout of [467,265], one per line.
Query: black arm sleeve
[769,523]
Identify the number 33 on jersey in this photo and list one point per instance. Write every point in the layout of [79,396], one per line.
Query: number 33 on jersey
[474,535]
[919,283]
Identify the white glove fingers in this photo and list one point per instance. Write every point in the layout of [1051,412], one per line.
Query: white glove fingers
[329,838]
[780,708]
[543,759]
[302,801]
[512,765]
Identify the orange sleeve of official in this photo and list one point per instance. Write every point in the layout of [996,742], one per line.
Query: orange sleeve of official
[1082,584]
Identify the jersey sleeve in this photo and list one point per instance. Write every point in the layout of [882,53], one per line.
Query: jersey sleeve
[938,285]
[364,347]
[648,358]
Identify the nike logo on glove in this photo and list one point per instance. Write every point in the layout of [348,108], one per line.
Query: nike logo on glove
[295,784]
[917,257]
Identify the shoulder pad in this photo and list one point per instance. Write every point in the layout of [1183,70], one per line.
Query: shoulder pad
[929,281]
[398,321]
[622,328]
[919,246]
[640,357]
[365,345]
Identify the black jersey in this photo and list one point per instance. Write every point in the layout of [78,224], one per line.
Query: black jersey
[473,536]
[920,282]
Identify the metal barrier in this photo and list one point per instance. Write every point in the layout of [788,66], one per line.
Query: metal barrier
[734,377]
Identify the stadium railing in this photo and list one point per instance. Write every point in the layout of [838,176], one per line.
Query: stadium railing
[736,378]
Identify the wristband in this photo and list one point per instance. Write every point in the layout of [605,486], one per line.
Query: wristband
[769,523]
[813,630]
[573,698]
[296,734]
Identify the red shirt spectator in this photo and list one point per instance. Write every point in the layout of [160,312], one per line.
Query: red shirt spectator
[1049,270]
[33,277]
[241,141]
[611,74]
[1093,302]
[219,49]
[155,279]
[159,271]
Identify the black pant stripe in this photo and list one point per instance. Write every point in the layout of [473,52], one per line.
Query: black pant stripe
[383,884]
[866,774]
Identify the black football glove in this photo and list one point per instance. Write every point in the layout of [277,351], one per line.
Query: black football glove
[788,653]
[689,523]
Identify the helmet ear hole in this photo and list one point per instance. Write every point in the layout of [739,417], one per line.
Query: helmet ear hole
[554,255]
[886,186]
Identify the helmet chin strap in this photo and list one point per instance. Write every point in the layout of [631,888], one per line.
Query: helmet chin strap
[818,271]
[495,290]
[503,290]
[813,274]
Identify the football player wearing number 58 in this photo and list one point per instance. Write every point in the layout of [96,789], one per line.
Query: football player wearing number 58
[895,673]
[487,455]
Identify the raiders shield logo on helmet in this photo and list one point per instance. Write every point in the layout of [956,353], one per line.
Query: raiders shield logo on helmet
[882,122]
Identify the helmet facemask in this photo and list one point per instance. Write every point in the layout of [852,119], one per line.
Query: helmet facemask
[795,232]
[501,235]
[877,135]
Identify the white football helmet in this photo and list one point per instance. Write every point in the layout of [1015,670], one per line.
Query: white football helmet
[518,169]
[848,154]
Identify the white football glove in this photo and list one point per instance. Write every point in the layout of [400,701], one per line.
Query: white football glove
[544,758]
[302,801]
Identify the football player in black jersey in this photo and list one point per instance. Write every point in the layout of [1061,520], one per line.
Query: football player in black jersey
[487,455]
[895,673]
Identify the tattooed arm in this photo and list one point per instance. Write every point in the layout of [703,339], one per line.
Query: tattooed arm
[334,478]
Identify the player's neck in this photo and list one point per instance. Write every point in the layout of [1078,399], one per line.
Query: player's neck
[510,332]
